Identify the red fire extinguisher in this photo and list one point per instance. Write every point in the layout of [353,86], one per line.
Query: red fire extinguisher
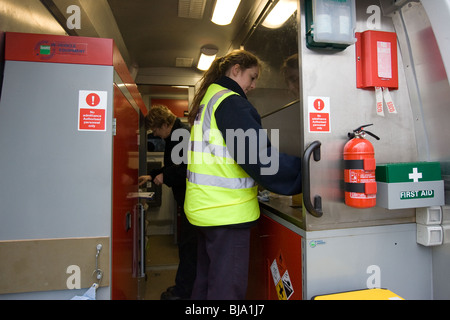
[359,174]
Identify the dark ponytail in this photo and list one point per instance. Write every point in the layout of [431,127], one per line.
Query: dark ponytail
[218,69]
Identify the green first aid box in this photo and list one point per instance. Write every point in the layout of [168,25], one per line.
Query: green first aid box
[409,185]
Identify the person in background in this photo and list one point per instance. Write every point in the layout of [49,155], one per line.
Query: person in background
[163,123]
[225,164]
[291,72]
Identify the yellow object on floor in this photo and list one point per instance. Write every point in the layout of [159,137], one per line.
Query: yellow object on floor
[368,294]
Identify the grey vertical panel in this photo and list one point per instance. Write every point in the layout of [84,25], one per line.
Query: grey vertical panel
[56,180]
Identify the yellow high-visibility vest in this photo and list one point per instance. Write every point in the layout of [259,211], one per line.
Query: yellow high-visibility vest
[218,191]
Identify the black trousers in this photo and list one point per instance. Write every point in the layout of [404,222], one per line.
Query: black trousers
[187,252]
[222,264]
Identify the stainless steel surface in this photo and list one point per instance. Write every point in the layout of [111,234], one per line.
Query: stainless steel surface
[290,104]
[426,53]
[332,74]
[428,83]
[278,83]
[371,257]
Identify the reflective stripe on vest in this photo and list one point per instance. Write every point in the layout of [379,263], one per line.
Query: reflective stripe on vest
[210,108]
[213,181]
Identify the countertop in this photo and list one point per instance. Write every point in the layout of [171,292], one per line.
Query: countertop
[282,207]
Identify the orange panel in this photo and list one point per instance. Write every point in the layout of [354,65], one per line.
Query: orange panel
[125,177]
[273,242]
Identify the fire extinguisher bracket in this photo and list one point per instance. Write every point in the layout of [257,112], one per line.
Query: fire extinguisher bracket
[364,164]
[370,164]
[370,188]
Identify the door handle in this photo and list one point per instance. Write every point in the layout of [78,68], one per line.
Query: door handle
[128,222]
[142,239]
[312,150]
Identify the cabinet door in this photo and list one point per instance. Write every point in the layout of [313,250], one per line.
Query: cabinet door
[275,256]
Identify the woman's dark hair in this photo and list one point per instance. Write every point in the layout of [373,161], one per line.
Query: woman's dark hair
[219,68]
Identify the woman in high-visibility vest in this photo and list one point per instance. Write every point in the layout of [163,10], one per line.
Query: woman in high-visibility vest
[229,154]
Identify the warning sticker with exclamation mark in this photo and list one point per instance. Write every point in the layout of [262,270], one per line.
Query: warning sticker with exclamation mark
[92,107]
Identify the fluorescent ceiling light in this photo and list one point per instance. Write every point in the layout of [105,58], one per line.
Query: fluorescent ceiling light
[224,11]
[207,56]
[280,13]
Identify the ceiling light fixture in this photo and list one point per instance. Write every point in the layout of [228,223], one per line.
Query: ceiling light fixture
[224,11]
[280,13]
[207,56]
[181,87]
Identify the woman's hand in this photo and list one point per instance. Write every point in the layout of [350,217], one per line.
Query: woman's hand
[144,179]
[159,179]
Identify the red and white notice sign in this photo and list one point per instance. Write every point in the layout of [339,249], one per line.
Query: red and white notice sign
[92,107]
[319,114]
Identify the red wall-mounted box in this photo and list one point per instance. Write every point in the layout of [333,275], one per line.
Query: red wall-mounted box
[376,59]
